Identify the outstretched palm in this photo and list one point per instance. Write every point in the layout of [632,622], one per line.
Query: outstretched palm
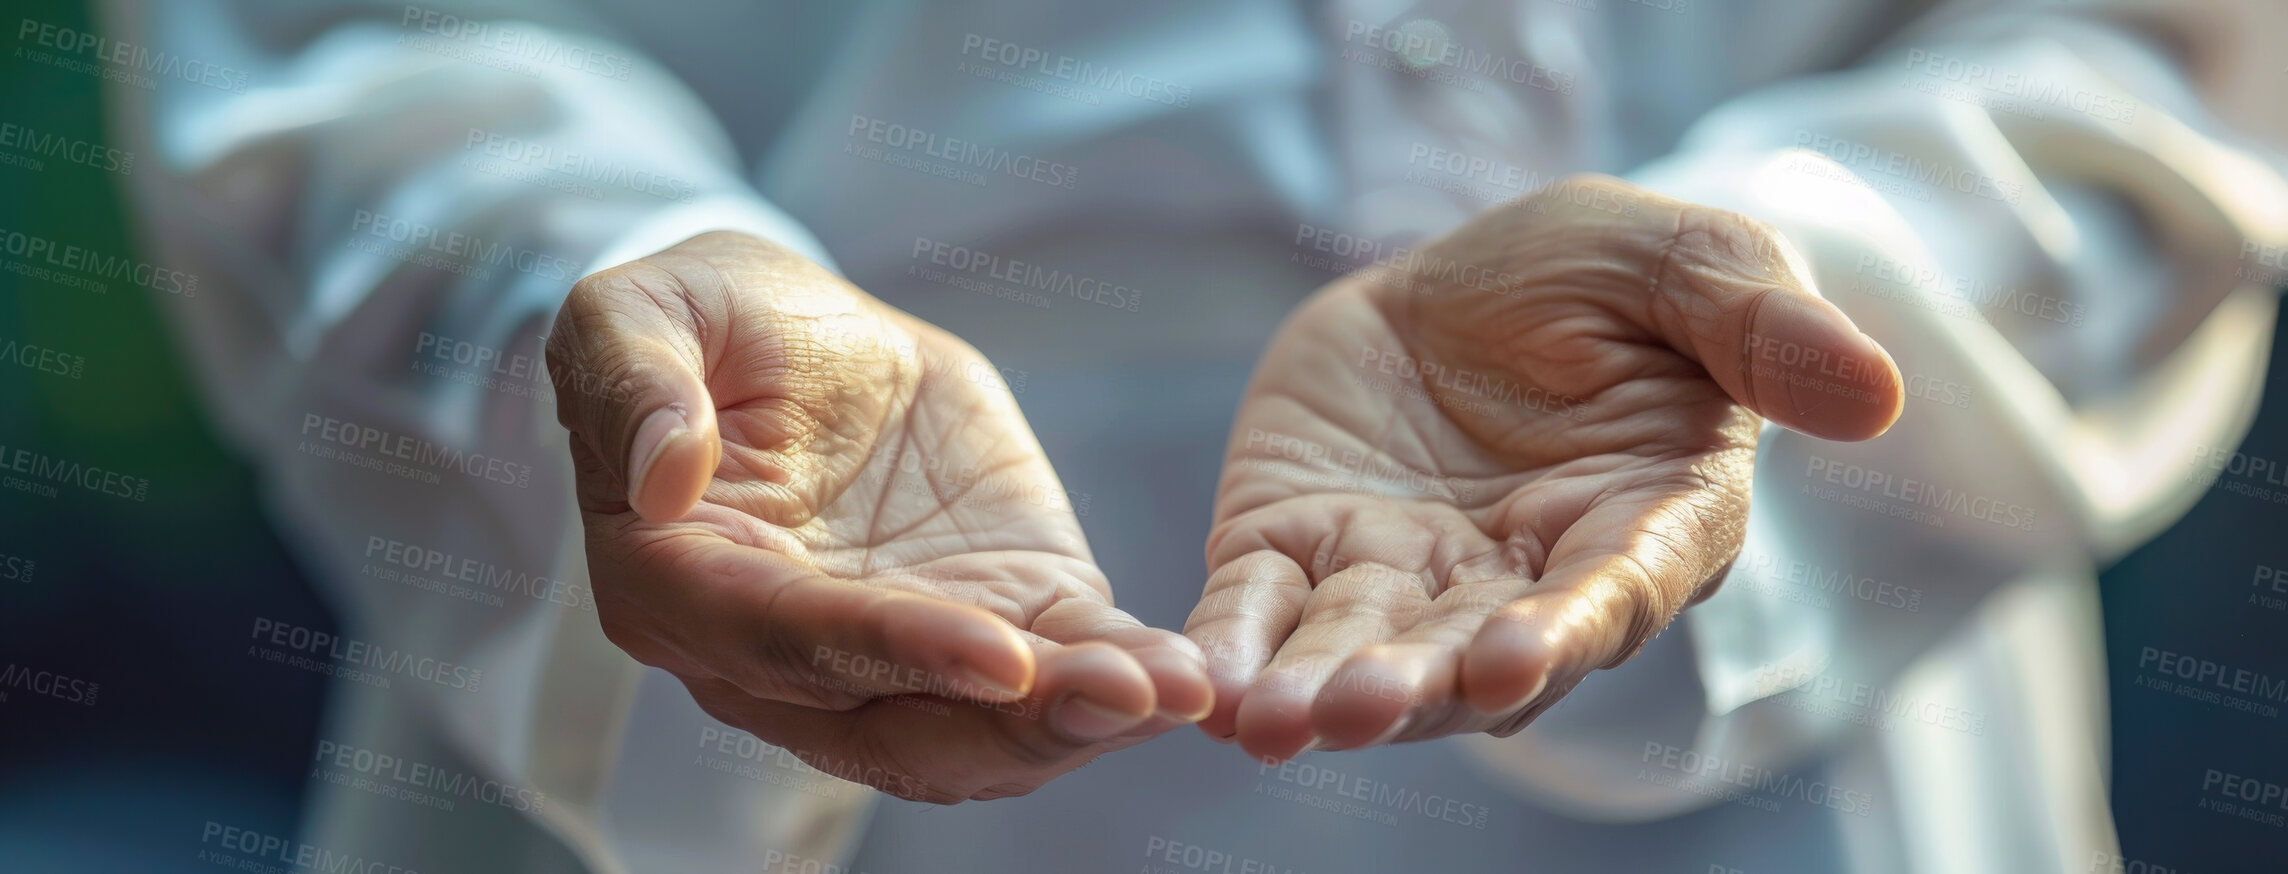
[1461,482]
[873,537]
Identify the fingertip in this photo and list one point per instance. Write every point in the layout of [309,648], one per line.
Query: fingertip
[1222,721]
[1363,703]
[986,653]
[1084,719]
[671,459]
[1275,725]
[1110,678]
[1506,665]
[1813,371]
[1180,684]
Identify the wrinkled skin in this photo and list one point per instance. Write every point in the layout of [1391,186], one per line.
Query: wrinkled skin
[1450,494]
[831,522]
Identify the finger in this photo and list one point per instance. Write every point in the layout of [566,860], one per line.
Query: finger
[626,360]
[1410,686]
[1178,670]
[1250,606]
[1092,691]
[781,631]
[1723,290]
[1734,295]
[1357,607]
[1548,639]
[929,749]
[1618,576]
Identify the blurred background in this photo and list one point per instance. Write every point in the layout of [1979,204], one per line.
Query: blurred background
[145,602]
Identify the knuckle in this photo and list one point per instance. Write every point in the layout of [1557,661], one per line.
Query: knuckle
[1032,747]
[1717,250]
[877,765]
[620,633]
[1645,607]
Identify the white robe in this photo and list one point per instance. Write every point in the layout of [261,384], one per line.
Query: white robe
[2063,221]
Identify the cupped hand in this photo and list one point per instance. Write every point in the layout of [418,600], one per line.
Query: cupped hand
[1465,478]
[830,520]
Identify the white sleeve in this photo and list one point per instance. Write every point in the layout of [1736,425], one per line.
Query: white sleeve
[386,205]
[2068,233]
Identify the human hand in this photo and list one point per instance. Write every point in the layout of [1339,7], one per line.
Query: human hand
[1459,483]
[830,520]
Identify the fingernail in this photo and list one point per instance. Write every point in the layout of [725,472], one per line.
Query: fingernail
[990,688]
[1315,744]
[652,437]
[1397,727]
[1534,693]
[1186,718]
[1086,720]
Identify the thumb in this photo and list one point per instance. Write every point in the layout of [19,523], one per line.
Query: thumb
[1740,300]
[626,372]
[1732,294]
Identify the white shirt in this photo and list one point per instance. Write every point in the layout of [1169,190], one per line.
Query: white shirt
[388,203]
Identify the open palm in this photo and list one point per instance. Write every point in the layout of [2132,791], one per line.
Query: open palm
[830,520]
[1462,480]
